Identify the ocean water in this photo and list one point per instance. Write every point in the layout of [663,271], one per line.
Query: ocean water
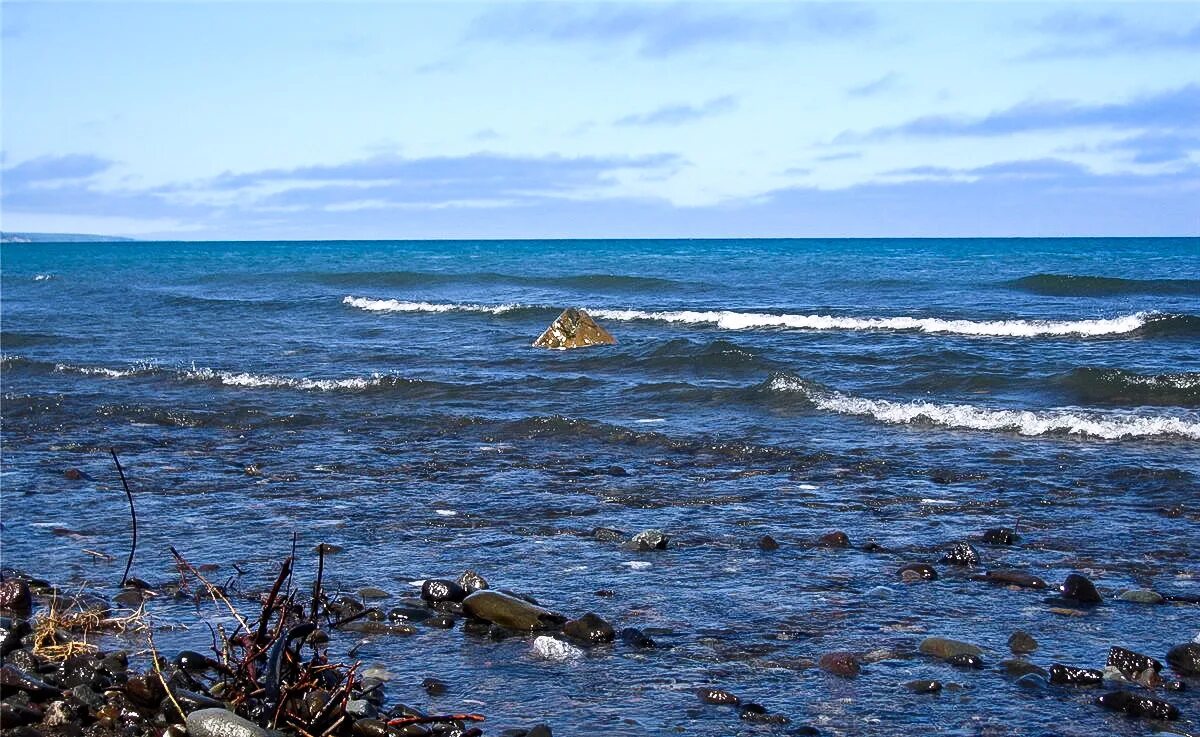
[386,397]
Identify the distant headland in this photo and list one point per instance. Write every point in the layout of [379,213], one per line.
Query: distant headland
[6,237]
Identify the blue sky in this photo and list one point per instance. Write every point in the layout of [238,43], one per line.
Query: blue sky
[564,119]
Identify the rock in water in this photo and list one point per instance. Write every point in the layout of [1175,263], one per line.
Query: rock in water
[1185,659]
[941,647]
[221,723]
[508,611]
[590,629]
[552,649]
[574,328]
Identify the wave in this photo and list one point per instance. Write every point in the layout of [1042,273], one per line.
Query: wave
[1072,285]
[1116,386]
[582,282]
[1107,426]
[268,381]
[393,305]
[728,320]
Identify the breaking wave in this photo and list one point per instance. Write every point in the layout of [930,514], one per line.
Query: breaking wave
[394,305]
[728,320]
[1117,386]
[1072,285]
[267,381]
[1107,426]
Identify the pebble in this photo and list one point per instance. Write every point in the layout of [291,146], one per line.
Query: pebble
[1079,590]
[472,582]
[649,540]
[590,629]
[923,686]
[1021,642]
[717,696]
[221,723]
[437,590]
[550,648]
[999,536]
[961,554]
[918,572]
[842,664]
[1068,676]
[837,539]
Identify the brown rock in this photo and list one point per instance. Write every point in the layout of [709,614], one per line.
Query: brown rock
[574,328]
[840,664]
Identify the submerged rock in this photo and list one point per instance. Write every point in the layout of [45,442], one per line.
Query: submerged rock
[510,612]
[918,572]
[999,536]
[1133,666]
[840,664]
[1078,589]
[1068,676]
[961,554]
[837,539]
[768,543]
[923,686]
[717,696]
[590,629]
[574,328]
[1142,596]
[1009,577]
[649,540]
[634,637]
[944,648]
[1021,642]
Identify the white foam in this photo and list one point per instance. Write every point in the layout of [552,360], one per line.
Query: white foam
[728,320]
[137,368]
[254,381]
[394,305]
[445,512]
[637,565]
[552,649]
[1108,425]
[43,277]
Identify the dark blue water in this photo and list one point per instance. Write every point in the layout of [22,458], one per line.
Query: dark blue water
[910,392]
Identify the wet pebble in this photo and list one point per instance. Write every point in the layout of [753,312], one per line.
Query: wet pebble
[1142,596]
[918,572]
[834,540]
[434,686]
[965,660]
[717,696]
[551,648]
[1077,589]
[923,686]
[634,637]
[1067,676]
[470,581]
[758,713]
[1133,666]
[221,723]
[999,536]
[1009,577]
[590,629]
[14,595]
[944,648]
[961,554]
[437,590]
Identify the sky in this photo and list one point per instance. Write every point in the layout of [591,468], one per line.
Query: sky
[329,120]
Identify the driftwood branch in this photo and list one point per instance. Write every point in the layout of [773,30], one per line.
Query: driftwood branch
[132,516]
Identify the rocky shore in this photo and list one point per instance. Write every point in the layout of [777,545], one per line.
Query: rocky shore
[275,671]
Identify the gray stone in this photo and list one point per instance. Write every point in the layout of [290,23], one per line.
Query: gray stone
[510,612]
[649,540]
[1142,596]
[941,647]
[221,723]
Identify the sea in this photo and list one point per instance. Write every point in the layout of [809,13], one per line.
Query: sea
[384,397]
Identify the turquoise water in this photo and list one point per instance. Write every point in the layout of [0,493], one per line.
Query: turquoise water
[911,392]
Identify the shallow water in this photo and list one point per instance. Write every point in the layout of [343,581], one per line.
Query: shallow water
[908,392]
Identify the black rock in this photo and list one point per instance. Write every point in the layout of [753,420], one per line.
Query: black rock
[437,590]
[768,543]
[441,621]
[590,629]
[14,595]
[923,686]
[759,714]
[918,572]
[636,638]
[1067,676]
[1133,666]
[408,614]
[1009,577]
[1033,682]
[1136,705]
[1016,668]
[540,730]
[837,539]
[1079,590]
[13,680]
[472,582]
[1185,659]
[193,662]
[13,633]
[961,554]
[965,660]
[434,686]
[649,540]
[717,696]
[999,536]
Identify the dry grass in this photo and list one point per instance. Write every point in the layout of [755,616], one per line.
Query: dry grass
[65,630]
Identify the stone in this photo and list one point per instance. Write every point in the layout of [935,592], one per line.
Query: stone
[550,648]
[834,540]
[608,535]
[434,686]
[371,592]
[961,554]
[923,686]
[944,648]
[999,536]
[918,572]
[1078,589]
[510,612]
[1022,643]
[841,664]
[1015,668]
[437,590]
[759,714]
[717,696]
[1133,666]
[1185,659]
[1065,675]
[472,582]
[590,629]
[649,540]
[327,549]
[965,660]
[1009,577]
[1142,596]
[634,637]
[14,595]
[768,543]
[221,723]
[1138,706]
[1033,682]
[574,328]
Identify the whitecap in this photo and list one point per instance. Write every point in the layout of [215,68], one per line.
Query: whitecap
[549,648]
[394,305]
[1061,421]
